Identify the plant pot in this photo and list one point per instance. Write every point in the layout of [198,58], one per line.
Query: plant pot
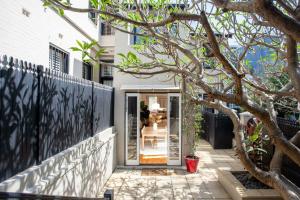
[191,163]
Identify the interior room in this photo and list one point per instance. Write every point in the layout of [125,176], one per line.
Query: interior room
[153,129]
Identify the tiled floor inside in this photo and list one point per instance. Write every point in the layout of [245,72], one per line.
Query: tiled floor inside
[177,183]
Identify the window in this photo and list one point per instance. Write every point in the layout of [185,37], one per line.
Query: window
[107,29]
[58,59]
[87,71]
[174,29]
[106,70]
[92,15]
[135,39]
[106,73]
[108,82]
[207,109]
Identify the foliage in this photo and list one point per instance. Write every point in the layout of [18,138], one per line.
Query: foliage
[60,11]
[255,142]
[85,47]
[192,123]
[284,106]
[197,125]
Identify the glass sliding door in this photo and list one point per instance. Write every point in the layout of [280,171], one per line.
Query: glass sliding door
[132,129]
[174,129]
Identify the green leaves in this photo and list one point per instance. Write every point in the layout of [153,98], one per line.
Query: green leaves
[75,49]
[257,132]
[85,47]
[46,4]
[129,59]
[95,3]
[134,16]
[257,149]
[102,4]
[60,11]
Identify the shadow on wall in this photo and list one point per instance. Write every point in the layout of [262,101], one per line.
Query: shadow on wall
[43,112]
[87,177]
[18,116]
[79,171]
[65,112]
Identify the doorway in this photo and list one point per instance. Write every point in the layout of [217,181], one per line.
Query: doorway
[153,129]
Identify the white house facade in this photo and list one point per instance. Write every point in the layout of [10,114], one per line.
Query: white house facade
[148,112]
[154,139]
[30,32]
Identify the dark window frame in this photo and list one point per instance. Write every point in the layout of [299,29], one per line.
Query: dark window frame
[92,16]
[101,68]
[107,29]
[53,63]
[135,38]
[105,78]
[87,71]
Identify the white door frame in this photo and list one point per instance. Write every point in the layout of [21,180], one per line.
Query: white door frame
[137,161]
[174,162]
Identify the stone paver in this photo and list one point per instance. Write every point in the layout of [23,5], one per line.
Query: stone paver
[131,184]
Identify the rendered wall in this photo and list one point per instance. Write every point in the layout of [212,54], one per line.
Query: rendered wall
[28,37]
[81,170]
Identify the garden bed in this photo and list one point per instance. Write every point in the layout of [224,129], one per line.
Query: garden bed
[230,180]
[248,181]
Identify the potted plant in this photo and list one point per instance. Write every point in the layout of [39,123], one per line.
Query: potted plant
[192,126]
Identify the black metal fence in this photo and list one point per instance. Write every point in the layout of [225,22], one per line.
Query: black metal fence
[43,112]
[217,130]
[289,168]
[288,127]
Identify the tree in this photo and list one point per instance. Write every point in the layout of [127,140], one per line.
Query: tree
[203,39]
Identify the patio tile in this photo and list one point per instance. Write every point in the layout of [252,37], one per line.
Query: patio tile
[117,182]
[146,192]
[163,185]
[127,193]
[218,194]
[179,173]
[164,194]
[136,183]
[200,193]
[182,193]
[178,184]
[124,197]
[163,178]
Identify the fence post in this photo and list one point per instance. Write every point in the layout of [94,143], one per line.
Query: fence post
[109,194]
[112,110]
[92,114]
[38,115]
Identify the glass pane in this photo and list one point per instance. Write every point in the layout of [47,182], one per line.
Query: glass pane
[132,128]
[174,128]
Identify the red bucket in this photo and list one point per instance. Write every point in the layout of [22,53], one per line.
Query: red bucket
[191,163]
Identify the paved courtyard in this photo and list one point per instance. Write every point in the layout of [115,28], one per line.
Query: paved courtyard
[176,183]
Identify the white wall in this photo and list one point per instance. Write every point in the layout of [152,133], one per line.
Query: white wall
[28,38]
[81,170]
